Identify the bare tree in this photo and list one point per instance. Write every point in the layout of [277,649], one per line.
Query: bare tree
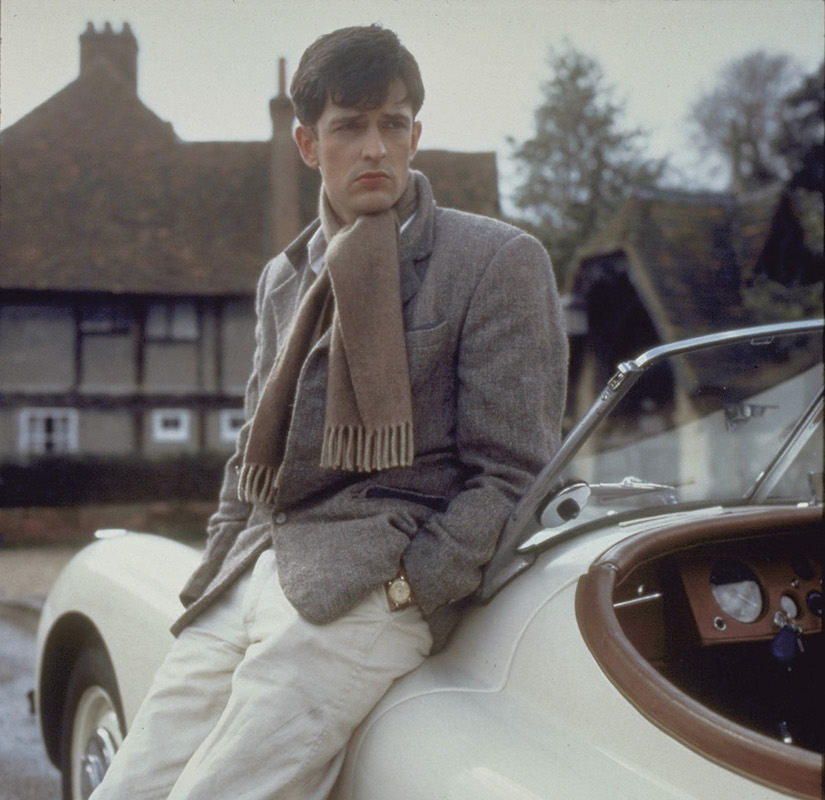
[740,120]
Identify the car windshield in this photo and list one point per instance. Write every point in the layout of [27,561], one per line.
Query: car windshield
[706,426]
[729,418]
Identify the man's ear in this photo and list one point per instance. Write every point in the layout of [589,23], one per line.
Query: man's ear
[416,135]
[307,145]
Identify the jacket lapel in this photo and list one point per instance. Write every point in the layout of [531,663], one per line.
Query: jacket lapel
[417,240]
[286,296]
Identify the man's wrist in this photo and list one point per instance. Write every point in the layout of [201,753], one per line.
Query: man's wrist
[399,592]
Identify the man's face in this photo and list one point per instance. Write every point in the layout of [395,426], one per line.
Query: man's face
[363,154]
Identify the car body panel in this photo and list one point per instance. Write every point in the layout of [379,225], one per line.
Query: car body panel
[126,586]
[536,719]
[520,704]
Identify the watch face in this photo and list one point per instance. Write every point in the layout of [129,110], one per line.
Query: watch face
[399,591]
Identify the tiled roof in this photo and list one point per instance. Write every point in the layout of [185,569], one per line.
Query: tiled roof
[467,181]
[98,194]
[687,255]
[752,227]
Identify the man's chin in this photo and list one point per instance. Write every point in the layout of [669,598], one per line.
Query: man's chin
[374,205]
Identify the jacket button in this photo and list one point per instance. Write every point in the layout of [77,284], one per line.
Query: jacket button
[280,518]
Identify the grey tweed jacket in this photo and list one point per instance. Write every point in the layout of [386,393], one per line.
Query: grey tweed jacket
[488,361]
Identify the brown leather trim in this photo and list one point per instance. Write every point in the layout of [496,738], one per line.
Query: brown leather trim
[765,760]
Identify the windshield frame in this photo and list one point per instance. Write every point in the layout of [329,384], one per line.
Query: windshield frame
[511,557]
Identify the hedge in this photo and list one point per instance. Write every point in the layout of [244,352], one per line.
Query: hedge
[61,482]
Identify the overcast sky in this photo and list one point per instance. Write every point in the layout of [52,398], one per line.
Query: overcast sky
[210,66]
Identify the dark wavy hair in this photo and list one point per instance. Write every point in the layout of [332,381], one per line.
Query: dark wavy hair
[354,68]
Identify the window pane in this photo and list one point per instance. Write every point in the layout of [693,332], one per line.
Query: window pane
[174,320]
[157,321]
[170,425]
[231,423]
[104,318]
[48,431]
[184,322]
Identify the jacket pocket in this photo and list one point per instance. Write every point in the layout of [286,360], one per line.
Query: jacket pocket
[434,502]
[427,336]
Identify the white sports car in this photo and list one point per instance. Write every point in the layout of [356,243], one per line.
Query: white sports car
[650,626]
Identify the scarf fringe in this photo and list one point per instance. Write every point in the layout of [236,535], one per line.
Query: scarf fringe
[258,483]
[350,447]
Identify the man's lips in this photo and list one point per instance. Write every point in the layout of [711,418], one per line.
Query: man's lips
[372,178]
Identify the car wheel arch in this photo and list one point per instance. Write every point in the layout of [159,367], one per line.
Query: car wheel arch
[72,635]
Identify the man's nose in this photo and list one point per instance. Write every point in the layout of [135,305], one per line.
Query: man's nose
[374,147]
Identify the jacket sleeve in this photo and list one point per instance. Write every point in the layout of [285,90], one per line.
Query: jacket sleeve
[511,378]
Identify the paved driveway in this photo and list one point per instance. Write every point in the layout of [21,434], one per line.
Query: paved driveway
[25,577]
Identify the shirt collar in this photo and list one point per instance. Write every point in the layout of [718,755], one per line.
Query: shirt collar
[317,247]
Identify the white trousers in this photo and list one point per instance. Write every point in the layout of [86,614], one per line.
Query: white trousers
[255,703]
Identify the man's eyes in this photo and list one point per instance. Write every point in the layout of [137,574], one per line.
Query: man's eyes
[394,124]
[389,124]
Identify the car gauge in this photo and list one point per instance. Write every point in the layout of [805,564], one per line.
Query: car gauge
[789,606]
[736,590]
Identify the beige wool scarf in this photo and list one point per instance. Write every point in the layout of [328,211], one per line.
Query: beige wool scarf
[368,413]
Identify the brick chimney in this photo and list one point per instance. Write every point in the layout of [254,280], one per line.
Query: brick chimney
[284,162]
[119,49]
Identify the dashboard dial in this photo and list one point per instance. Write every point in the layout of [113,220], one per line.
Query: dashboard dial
[736,590]
[789,606]
[814,601]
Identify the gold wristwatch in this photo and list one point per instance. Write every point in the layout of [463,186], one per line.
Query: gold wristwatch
[399,592]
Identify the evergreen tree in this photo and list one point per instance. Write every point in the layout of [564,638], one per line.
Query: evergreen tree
[579,165]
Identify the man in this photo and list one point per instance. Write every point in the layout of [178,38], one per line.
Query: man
[408,382]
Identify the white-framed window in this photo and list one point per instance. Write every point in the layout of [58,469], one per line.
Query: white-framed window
[172,321]
[171,425]
[231,422]
[48,431]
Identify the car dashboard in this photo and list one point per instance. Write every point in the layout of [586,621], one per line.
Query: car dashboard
[713,630]
[755,590]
